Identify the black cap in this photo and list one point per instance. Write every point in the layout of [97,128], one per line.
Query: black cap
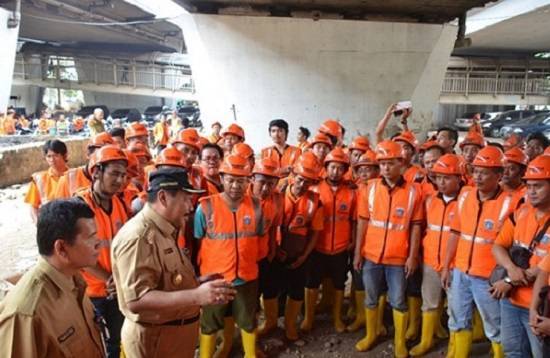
[171,179]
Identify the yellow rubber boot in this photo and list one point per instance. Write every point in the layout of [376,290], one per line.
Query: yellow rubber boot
[371,318]
[414,304]
[122,354]
[477,327]
[327,296]
[429,322]
[440,331]
[381,330]
[249,343]
[310,300]
[463,343]
[352,307]
[400,321]
[339,326]
[451,347]
[271,313]
[227,338]
[207,344]
[360,312]
[291,316]
[498,350]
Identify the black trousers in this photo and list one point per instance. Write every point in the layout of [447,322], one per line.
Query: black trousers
[333,266]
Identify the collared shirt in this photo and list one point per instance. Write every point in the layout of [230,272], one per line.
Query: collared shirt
[145,257]
[48,315]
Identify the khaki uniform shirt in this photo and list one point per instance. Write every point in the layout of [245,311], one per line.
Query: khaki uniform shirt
[48,315]
[146,257]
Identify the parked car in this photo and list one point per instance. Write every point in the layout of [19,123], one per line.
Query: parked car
[151,113]
[492,128]
[127,115]
[85,111]
[467,119]
[192,114]
[538,123]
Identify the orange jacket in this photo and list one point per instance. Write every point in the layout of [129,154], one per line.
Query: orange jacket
[477,224]
[340,209]
[390,213]
[519,195]
[213,187]
[519,230]
[230,244]
[74,180]
[107,226]
[413,174]
[302,215]
[272,208]
[43,188]
[161,133]
[285,159]
[438,229]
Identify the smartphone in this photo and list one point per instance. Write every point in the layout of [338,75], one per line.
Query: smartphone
[400,106]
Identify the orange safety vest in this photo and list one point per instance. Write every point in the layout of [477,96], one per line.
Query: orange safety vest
[478,224]
[46,185]
[297,218]
[413,174]
[519,195]
[74,180]
[213,187]
[107,225]
[390,214]
[439,216]
[286,159]
[43,125]
[525,230]
[230,244]
[272,208]
[340,214]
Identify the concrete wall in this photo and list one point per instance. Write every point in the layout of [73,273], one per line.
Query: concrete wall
[30,97]
[7,60]
[18,163]
[306,71]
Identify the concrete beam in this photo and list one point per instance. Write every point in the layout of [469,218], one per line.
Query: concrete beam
[306,71]
[489,99]
[7,60]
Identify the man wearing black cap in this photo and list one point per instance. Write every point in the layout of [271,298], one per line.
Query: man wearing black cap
[158,292]
[284,154]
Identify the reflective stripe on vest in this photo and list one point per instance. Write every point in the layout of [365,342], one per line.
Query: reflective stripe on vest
[438,228]
[477,240]
[390,226]
[41,186]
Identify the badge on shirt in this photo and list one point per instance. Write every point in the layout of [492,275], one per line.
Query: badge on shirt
[399,212]
[488,224]
[343,207]
[177,279]
[247,220]
[299,220]
[545,239]
[69,332]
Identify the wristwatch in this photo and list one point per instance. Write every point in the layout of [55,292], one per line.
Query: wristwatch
[508,280]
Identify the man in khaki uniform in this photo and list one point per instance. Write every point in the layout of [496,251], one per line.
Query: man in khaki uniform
[47,313]
[158,292]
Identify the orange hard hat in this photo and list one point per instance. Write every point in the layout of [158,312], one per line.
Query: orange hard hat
[516,155]
[367,158]
[234,129]
[547,151]
[449,164]
[235,165]
[473,138]
[321,138]
[407,137]
[361,143]
[108,153]
[429,145]
[171,156]
[242,149]
[132,170]
[388,149]
[331,127]
[203,141]
[489,157]
[513,140]
[337,155]
[188,136]
[538,168]
[136,130]
[140,150]
[268,167]
[307,166]
[101,139]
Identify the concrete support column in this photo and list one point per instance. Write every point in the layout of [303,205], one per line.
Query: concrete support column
[306,71]
[7,60]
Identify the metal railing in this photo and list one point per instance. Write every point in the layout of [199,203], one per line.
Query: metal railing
[497,83]
[103,71]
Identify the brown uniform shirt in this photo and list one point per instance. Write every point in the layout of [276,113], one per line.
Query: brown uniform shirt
[48,315]
[146,257]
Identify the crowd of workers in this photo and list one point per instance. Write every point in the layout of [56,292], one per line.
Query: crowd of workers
[424,227]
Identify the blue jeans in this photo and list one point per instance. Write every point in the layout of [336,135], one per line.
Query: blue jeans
[108,309]
[373,278]
[517,338]
[467,290]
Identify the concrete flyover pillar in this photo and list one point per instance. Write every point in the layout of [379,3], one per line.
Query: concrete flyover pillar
[306,71]
[7,60]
